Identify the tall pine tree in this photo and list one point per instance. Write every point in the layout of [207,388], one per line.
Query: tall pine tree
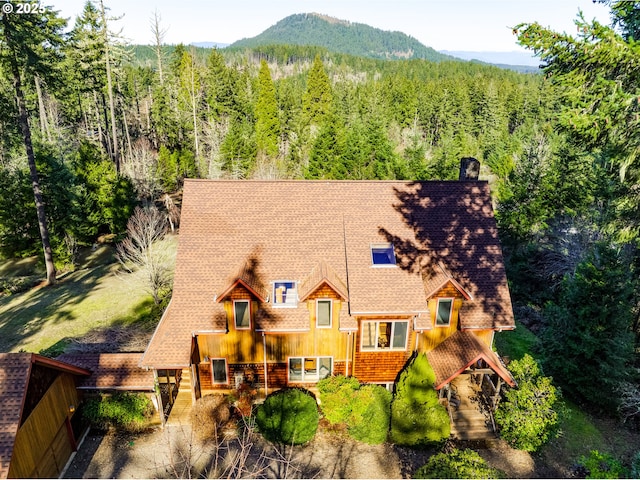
[267,122]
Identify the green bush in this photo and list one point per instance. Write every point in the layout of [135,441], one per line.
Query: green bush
[368,420]
[527,415]
[365,409]
[288,416]
[457,464]
[602,465]
[336,394]
[417,418]
[127,411]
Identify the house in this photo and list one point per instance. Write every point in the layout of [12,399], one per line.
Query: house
[282,283]
[39,428]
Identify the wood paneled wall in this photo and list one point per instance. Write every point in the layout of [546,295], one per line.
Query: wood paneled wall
[42,446]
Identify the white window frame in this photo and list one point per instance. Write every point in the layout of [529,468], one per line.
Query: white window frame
[450,312]
[308,378]
[318,300]
[226,370]
[287,303]
[235,319]
[386,246]
[376,348]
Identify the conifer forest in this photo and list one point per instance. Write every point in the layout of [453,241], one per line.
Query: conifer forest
[91,126]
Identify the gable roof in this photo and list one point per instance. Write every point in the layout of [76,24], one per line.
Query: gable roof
[438,277]
[458,352]
[15,371]
[286,229]
[320,275]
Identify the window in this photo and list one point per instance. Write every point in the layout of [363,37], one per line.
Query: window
[443,312]
[323,313]
[285,294]
[242,313]
[309,369]
[382,254]
[384,335]
[219,371]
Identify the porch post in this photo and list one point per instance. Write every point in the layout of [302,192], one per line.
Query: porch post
[264,347]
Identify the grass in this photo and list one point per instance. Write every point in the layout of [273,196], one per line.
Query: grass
[514,344]
[92,297]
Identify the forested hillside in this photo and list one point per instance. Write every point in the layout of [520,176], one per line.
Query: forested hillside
[341,36]
[94,127]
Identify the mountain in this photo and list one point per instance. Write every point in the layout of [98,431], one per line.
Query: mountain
[343,37]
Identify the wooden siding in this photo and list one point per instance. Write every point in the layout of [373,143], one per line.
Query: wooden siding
[277,376]
[381,365]
[42,446]
[430,339]
[246,346]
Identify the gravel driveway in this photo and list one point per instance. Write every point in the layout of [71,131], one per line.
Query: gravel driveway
[331,454]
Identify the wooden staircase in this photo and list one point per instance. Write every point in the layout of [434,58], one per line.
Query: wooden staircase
[180,413]
[468,421]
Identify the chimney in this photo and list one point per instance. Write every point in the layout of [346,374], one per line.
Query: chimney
[469,169]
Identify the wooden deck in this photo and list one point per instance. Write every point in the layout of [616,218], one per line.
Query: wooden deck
[180,413]
[469,423]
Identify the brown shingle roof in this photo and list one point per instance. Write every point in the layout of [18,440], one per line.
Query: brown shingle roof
[459,352]
[15,370]
[112,371]
[284,229]
[322,274]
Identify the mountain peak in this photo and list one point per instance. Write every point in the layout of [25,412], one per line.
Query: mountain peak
[341,36]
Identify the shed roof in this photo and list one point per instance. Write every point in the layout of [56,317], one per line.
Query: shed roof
[111,371]
[285,229]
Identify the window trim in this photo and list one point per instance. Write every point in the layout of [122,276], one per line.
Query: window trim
[293,304]
[448,324]
[226,371]
[330,300]
[386,246]
[235,319]
[390,348]
[316,378]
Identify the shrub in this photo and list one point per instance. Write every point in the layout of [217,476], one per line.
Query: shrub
[336,394]
[527,415]
[288,416]
[417,418]
[208,414]
[457,464]
[365,409]
[370,413]
[128,411]
[601,465]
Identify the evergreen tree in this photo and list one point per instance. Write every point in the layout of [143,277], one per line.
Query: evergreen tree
[317,100]
[32,45]
[267,122]
[587,343]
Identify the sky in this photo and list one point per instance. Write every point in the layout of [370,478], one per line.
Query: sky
[470,25]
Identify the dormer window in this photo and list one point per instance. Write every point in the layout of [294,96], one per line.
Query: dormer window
[285,294]
[242,314]
[382,254]
[323,313]
[443,312]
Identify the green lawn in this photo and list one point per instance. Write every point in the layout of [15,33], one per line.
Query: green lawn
[93,296]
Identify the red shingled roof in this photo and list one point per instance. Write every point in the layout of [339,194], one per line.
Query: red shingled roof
[459,352]
[111,371]
[15,370]
[285,229]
